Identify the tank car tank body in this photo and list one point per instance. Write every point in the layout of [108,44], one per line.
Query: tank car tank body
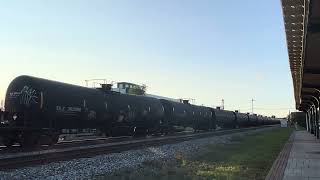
[187,115]
[203,118]
[38,110]
[268,121]
[225,119]
[139,115]
[260,120]
[44,107]
[275,121]
[242,119]
[253,119]
[176,115]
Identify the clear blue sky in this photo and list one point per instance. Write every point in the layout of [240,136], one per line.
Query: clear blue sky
[202,49]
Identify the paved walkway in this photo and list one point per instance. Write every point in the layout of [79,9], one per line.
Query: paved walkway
[304,159]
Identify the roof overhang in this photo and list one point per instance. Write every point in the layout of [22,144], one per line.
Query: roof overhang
[302,26]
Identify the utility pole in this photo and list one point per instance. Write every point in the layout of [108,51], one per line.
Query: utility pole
[2,105]
[252,100]
[289,117]
[222,104]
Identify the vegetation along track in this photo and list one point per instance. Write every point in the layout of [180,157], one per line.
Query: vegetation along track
[14,161]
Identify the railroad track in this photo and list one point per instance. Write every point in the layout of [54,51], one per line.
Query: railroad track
[64,144]
[79,142]
[75,143]
[14,161]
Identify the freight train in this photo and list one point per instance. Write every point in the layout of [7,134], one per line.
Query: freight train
[37,111]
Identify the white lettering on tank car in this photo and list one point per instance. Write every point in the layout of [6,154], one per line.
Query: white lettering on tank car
[14,94]
[68,109]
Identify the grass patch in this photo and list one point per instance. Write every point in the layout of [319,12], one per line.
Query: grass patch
[245,157]
[249,159]
[300,128]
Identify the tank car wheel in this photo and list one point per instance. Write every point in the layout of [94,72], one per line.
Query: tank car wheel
[7,141]
[140,132]
[109,133]
[54,139]
[164,131]
[29,140]
[195,130]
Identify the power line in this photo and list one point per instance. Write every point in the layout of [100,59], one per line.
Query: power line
[274,108]
[267,108]
[264,107]
[252,100]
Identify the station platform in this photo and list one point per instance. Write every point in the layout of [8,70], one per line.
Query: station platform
[299,159]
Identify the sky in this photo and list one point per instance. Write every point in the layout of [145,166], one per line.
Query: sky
[207,50]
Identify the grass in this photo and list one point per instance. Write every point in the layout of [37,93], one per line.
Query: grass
[245,157]
[300,128]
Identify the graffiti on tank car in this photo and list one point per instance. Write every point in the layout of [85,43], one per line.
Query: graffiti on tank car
[92,115]
[27,95]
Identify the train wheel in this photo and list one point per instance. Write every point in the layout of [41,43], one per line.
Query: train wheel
[54,139]
[195,130]
[166,131]
[8,141]
[140,132]
[29,140]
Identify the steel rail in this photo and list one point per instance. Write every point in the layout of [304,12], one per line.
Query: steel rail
[14,161]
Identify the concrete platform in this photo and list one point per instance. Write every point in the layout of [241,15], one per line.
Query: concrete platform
[298,160]
[304,159]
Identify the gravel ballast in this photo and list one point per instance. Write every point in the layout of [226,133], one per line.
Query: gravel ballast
[86,168]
